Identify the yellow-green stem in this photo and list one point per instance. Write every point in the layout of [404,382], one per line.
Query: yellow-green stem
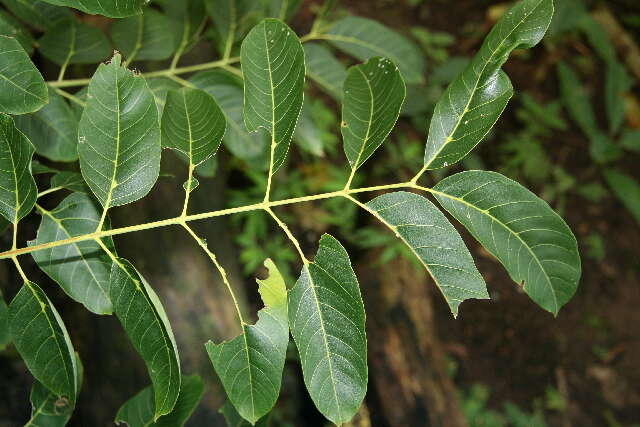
[289,234]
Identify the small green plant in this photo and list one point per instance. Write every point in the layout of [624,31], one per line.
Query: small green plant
[118,125]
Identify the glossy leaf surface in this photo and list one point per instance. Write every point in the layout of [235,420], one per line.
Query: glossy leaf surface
[72,42]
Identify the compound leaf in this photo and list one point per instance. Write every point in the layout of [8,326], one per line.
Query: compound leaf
[138,411]
[473,102]
[327,321]
[119,136]
[22,88]
[364,38]
[53,129]
[436,243]
[49,410]
[42,341]
[193,124]
[143,318]
[110,8]
[18,189]
[532,242]
[273,67]
[152,41]
[373,96]
[82,269]
[250,366]
[71,42]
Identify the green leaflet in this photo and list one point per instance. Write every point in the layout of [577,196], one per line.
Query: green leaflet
[231,18]
[72,181]
[193,124]
[47,409]
[22,88]
[473,102]
[273,67]
[71,42]
[373,96]
[11,27]
[110,8]
[250,365]
[38,13]
[617,83]
[82,269]
[187,18]
[532,242]
[436,243]
[53,129]
[307,134]
[325,69]
[119,136]
[327,322]
[138,411]
[227,91]
[143,37]
[5,336]
[626,189]
[42,341]
[364,38]
[145,321]
[18,190]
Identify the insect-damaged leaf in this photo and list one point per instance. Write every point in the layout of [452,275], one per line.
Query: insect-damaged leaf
[250,365]
[273,68]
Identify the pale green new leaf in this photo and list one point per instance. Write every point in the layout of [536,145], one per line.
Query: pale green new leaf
[72,42]
[143,37]
[193,124]
[22,88]
[42,341]
[18,191]
[38,13]
[119,136]
[53,129]
[110,8]
[273,67]
[626,189]
[250,365]
[532,242]
[364,38]
[373,96]
[72,181]
[143,318]
[138,411]
[325,69]
[327,321]
[435,242]
[47,409]
[473,102]
[82,269]
[227,91]
[11,27]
